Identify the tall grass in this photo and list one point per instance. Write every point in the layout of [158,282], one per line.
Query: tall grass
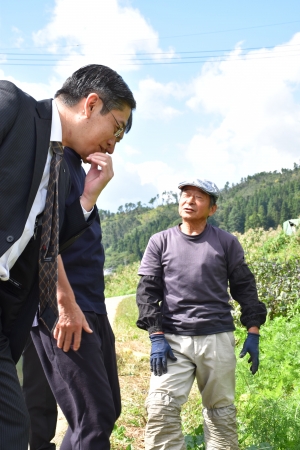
[123,281]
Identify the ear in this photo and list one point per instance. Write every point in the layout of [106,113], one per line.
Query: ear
[213,209]
[90,103]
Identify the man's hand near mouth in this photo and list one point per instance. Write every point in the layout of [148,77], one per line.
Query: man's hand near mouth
[96,178]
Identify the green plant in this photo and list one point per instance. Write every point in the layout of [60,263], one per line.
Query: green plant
[267,403]
[119,437]
[196,440]
[278,284]
[263,446]
[123,281]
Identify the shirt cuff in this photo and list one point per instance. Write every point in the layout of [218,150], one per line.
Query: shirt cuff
[4,272]
[86,213]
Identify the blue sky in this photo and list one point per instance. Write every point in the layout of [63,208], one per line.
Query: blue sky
[216,83]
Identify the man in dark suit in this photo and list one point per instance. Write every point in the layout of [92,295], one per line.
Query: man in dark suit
[92,404]
[90,114]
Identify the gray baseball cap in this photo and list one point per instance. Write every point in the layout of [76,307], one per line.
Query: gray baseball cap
[205,185]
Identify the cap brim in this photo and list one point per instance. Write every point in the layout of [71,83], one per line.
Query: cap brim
[192,183]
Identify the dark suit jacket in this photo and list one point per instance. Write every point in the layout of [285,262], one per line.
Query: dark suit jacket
[25,127]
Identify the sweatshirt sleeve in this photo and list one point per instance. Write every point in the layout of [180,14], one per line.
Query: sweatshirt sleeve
[148,298]
[151,262]
[243,290]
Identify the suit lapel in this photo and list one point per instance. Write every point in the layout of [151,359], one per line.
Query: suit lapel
[43,130]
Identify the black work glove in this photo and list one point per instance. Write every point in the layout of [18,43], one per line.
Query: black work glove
[160,351]
[251,346]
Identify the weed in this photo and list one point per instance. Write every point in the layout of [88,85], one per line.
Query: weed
[196,440]
[119,436]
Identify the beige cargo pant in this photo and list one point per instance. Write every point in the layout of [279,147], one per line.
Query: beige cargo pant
[212,361]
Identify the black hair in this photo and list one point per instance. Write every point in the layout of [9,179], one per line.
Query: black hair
[213,201]
[102,80]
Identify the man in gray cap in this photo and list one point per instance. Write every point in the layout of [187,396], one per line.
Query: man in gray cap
[182,298]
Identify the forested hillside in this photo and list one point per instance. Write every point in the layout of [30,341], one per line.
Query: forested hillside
[263,200]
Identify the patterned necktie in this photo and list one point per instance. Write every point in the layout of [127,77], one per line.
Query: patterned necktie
[48,272]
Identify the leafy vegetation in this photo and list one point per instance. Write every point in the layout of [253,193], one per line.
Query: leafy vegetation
[263,200]
[267,403]
[274,258]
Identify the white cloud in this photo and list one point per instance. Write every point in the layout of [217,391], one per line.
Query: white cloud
[254,110]
[112,35]
[130,151]
[39,91]
[125,187]
[152,96]
[97,31]
[157,173]
[18,38]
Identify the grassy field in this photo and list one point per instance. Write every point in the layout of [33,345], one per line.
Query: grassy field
[267,403]
[133,355]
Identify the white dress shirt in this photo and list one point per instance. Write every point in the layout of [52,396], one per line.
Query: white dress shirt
[8,259]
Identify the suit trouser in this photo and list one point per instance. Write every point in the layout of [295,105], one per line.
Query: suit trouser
[39,399]
[14,419]
[18,304]
[85,383]
[211,360]
[15,317]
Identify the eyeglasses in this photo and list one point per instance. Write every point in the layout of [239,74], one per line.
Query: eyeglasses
[120,129]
